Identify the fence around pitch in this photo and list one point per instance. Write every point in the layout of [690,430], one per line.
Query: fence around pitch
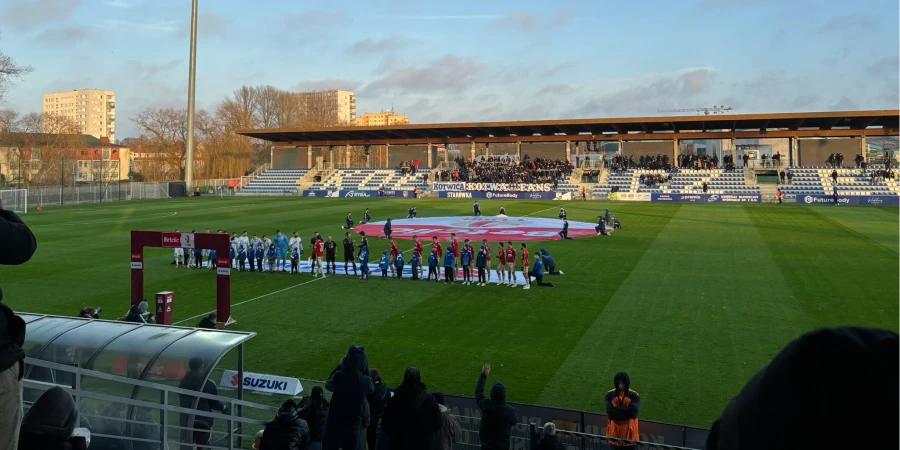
[96,193]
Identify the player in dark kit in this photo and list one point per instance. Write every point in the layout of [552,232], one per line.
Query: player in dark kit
[330,249]
[476,210]
[348,221]
[363,242]
[387,229]
[348,254]
[366,217]
[562,212]
[411,213]
[564,233]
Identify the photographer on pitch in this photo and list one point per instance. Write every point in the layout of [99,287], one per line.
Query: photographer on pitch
[17,245]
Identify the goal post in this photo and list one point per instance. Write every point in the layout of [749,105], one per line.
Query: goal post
[15,200]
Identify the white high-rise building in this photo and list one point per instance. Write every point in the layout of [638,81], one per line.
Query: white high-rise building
[94,110]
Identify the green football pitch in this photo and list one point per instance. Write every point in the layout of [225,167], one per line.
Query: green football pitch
[690,299]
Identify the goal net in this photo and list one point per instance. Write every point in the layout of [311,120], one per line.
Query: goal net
[15,200]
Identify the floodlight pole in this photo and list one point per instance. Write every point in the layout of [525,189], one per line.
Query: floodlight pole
[192,76]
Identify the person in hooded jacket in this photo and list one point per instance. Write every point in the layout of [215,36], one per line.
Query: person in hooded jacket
[17,245]
[450,431]
[549,440]
[622,407]
[49,423]
[287,431]
[349,383]
[377,401]
[411,416]
[790,403]
[314,411]
[497,417]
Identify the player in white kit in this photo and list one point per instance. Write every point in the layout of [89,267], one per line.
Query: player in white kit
[179,256]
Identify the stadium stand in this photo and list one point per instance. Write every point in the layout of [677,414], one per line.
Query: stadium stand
[719,181]
[850,182]
[275,181]
[370,179]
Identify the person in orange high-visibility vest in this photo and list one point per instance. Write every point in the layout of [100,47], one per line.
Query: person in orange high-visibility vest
[622,405]
[779,195]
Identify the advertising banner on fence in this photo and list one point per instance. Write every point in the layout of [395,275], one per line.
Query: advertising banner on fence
[495,187]
[503,195]
[709,198]
[630,196]
[272,384]
[355,194]
[861,200]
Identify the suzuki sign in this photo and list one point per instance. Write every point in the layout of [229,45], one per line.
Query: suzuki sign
[272,384]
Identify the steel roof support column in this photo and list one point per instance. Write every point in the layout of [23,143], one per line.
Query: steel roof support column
[862,147]
[309,160]
[568,151]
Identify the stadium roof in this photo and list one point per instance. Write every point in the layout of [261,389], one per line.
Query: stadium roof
[738,126]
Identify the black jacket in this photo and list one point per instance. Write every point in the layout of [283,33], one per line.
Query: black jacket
[497,417]
[410,418]
[17,245]
[206,323]
[315,418]
[349,383]
[49,422]
[287,431]
[377,400]
[790,403]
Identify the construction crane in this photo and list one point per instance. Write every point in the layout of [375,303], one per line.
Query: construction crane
[715,110]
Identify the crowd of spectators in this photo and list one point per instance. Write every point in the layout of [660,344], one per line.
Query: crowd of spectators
[497,169]
[655,179]
[409,167]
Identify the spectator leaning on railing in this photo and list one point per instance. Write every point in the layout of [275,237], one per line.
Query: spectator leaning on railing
[17,245]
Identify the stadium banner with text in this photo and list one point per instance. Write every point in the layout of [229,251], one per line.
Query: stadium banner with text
[630,196]
[858,200]
[355,193]
[709,198]
[492,187]
[272,384]
[501,195]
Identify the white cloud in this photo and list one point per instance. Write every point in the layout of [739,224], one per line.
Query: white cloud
[124,4]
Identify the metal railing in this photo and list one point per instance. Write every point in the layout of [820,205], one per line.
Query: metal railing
[121,412]
[96,193]
[574,440]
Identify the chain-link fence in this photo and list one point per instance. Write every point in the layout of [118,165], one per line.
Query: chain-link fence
[96,193]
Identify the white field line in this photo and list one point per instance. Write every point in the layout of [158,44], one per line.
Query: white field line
[552,207]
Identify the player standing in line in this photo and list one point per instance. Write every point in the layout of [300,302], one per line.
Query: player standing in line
[487,259]
[234,249]
[363,262]
[211,261]
[266,243]
[436,248]
[501,263]
[417,249]
[281,249]
[348,221]
[179,255]
[393,255]
[433,266]
[415,265]
[312,246]
[295,261]
[454,246]
[466,261]
[330,251]
[319,253]
[525,261]
[363,241]
[296,243]
[244,240]
[383,264]
[510,264]
[476,210]
[251,251]
[387,229]
[348,254]
[449,266]
[190,254]
[480,263]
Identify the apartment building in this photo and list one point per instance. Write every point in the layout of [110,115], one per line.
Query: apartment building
[94,110]
[380,119]
[340,103]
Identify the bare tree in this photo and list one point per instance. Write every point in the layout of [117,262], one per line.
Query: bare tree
[290,110]
[8,121]
[9,72]
[164,134]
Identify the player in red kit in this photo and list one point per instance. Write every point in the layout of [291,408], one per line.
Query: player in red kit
[525,257]
[392,255]
[417,248]
[510,264]
[501,263]
[454,248]
[436,246]
[318,252]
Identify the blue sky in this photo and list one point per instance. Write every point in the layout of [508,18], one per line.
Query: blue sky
[466,60]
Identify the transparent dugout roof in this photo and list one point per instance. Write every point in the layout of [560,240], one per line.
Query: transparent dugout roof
[98,344]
